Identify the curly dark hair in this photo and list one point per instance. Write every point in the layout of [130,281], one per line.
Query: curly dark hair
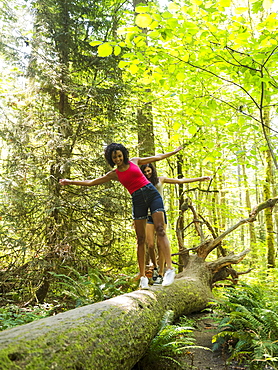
[111,148]
[153,179]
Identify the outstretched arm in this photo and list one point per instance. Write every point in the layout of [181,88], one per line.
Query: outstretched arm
[158,157]
[166,180]
[100,180]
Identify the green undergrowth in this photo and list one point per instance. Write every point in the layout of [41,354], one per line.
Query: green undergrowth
[248,325]
[170,346]
[12,315]
[69,290]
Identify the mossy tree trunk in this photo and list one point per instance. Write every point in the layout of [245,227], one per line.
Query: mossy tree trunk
[270,242]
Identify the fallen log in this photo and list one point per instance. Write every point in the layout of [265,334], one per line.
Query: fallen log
[112,334]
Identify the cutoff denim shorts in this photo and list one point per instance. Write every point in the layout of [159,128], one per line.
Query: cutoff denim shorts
[145,199]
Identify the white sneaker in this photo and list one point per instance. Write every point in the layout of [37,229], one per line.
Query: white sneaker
[169,277]
[144,283]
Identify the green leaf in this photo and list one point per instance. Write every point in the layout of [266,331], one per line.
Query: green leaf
[143,20]
[142,9]
[225,3]
[95,43]
[180,76]
[117,50]
[174,7]
[105,50]
[133,68]
[257,6]
[192,130]
[240,10]
[167,15]
[122,64]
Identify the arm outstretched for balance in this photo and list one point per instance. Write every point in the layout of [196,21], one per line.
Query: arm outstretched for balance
[100,180]
[155,158]
[166,180]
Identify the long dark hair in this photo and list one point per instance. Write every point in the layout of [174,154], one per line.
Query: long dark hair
[111,148]
[153,179]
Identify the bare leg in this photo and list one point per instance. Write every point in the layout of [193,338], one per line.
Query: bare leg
[162,239]
[140,229]
[150,237]
[161,258]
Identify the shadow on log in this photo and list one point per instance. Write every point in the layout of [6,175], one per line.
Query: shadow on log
[114,334]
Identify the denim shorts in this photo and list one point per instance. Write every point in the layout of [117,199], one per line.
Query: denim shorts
[150,219]
[145,199]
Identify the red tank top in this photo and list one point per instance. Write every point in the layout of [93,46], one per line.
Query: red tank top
[132,178]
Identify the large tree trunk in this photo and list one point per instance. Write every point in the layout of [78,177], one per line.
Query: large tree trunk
[112,334]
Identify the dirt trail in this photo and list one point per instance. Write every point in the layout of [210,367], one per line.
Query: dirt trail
[204,359]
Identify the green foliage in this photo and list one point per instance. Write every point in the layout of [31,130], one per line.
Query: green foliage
[75,289]
[249,327]
[170,342]
[12,315]
[70,290]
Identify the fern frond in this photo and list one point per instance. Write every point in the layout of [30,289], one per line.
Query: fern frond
[167,319]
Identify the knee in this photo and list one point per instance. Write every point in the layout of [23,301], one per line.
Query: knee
[160,231]
[141,240]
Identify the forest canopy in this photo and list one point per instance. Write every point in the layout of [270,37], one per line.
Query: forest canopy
[76,76]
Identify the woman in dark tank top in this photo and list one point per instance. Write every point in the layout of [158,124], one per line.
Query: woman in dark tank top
[149,171]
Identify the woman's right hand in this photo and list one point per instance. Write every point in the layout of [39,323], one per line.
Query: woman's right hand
[178,149]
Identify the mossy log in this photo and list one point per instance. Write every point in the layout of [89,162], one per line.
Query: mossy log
[112,334]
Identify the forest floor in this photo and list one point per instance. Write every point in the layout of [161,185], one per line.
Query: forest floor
[202,359]
[206,359]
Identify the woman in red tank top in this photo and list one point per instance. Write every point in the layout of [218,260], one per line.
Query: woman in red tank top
[145,197]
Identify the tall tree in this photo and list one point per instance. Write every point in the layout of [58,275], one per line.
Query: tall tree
[145,115]
[74,109]
[267,188]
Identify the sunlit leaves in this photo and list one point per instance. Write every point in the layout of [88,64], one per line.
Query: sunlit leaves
[104,50]
[212,58]
[225,3]
[143,20]
[192,129]
[107,48]
[269,24]
[174,7]
[117,50]
[95,43]
[142,9]
[240,10]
